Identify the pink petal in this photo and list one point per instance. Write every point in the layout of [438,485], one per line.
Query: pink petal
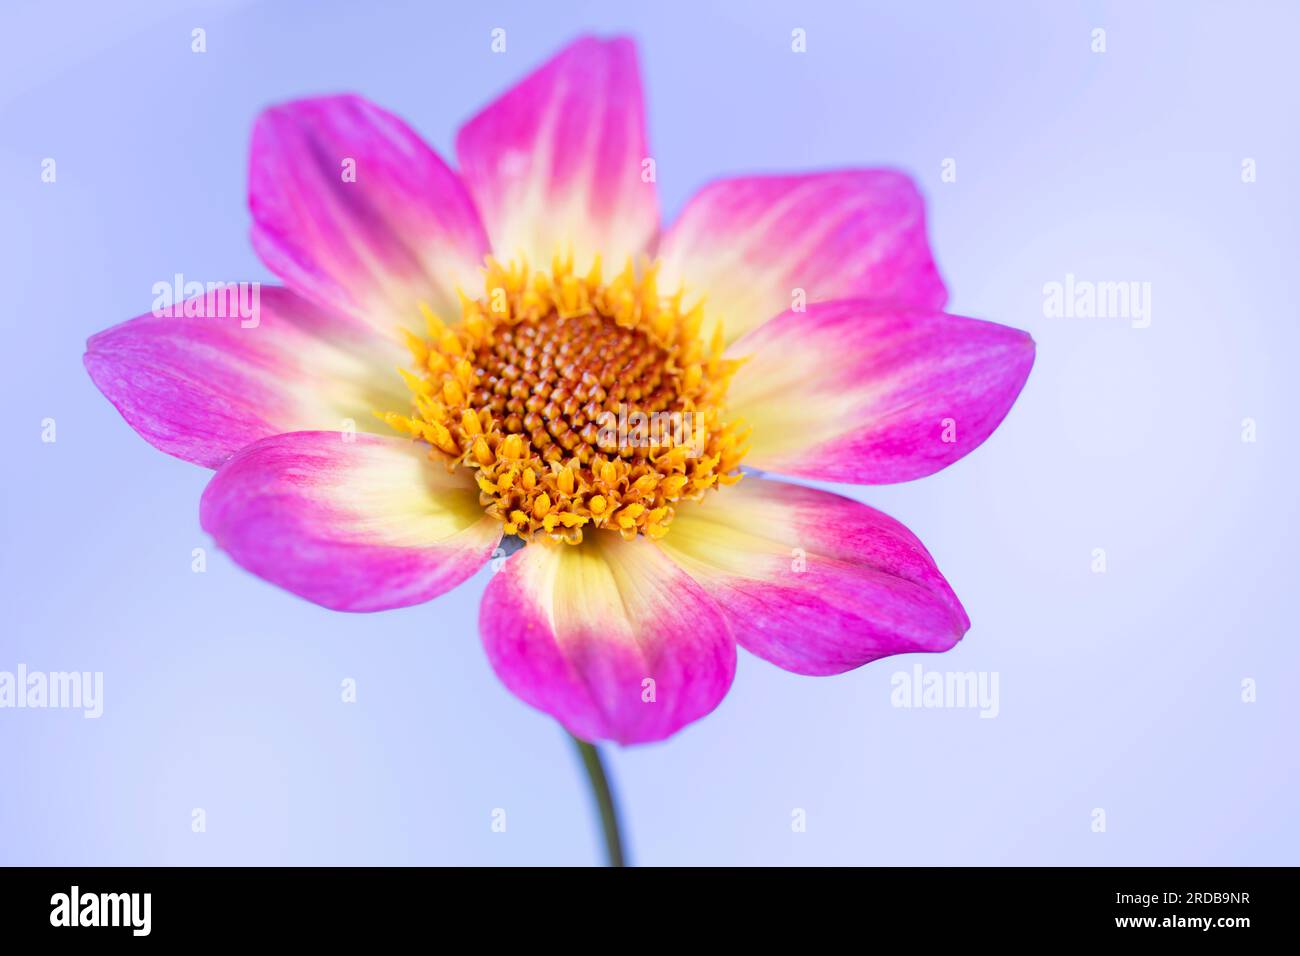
[859,392]
[747,245]
[204,386]
[359,525]
[609,637]
[556,163]
[404,231]
[813,582]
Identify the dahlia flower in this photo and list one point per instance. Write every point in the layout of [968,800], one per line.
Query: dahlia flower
[516,350]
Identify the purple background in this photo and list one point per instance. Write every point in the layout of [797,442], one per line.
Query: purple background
[1119,690]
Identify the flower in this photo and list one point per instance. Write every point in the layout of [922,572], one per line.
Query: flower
[593,390]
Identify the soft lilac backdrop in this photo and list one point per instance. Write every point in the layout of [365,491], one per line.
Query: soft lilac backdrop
[1119,690]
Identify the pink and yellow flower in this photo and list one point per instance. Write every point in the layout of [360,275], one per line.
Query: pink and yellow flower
[449,355]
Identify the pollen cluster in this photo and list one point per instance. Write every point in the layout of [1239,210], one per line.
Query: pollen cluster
[581,403]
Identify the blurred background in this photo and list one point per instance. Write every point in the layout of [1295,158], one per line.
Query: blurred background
[1120,691]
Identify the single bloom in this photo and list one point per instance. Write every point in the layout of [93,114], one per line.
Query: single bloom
[517,349]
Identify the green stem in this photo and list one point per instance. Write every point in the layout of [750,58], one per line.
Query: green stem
[604,796]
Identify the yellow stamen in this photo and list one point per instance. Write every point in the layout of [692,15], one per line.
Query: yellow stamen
[578,401]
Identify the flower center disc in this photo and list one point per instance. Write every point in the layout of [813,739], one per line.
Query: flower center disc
[580,403]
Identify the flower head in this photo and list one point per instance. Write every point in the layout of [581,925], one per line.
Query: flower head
[515,350]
